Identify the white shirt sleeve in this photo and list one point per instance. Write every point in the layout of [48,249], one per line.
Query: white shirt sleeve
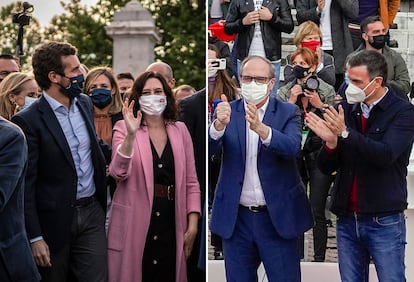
[266,142]
[215,134]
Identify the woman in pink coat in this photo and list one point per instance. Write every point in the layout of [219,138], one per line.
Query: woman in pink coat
[156,206]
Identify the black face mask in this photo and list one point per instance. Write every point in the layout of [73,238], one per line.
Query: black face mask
[300,72]
[378,41]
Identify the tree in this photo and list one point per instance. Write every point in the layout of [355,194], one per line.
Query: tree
[9,30]
[183,29]
[181,24]
[85,30]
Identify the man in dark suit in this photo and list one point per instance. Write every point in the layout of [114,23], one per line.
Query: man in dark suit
[193,114]
[260,207]
[368,142]
[16,260]
[65,191]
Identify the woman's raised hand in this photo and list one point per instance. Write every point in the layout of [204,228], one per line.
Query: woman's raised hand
[132,123]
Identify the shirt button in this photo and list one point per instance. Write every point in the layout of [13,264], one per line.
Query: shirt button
[159,165]
[154,261]
[157,213]
[155,237]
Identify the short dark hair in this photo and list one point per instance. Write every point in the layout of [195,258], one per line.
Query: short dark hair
[368,20]
[170,113]
[374,61]
[125,75]
[47,58]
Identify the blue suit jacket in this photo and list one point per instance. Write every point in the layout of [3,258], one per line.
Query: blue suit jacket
[284,192]
[16,260]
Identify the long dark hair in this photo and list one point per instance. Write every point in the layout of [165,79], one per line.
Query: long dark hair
[170,112]
[224,83]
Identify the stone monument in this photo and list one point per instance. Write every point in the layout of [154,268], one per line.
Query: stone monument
[134,36]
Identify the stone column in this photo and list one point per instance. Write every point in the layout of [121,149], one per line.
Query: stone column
[134,36]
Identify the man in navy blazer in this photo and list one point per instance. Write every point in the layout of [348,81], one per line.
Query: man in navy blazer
[16,260]
[65,191]
[260,207]
[368,142]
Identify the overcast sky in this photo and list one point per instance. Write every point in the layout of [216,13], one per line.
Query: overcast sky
[44,10]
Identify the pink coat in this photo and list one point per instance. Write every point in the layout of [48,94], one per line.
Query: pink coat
[133,198]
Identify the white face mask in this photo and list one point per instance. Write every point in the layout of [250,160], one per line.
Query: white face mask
[254,93]
[153,105]
[27,102]
[355,95]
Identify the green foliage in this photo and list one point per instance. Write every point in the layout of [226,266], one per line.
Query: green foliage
[9,31]
[85,30]
[181,24]
[182,27]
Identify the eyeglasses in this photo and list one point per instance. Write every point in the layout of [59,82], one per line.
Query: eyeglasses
[155,92]
[257,79]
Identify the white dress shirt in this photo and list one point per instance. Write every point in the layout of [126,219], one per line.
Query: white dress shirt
[252,192]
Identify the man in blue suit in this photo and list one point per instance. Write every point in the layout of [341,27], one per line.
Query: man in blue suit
[16,260]
[260,206]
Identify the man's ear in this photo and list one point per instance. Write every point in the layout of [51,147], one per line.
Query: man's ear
[379,80]
[271,84]
[53,77]
[364,36]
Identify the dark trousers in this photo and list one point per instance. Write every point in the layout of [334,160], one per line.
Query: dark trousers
[319,188]
[213,174]
[194,273]
[83,258]
[255,240]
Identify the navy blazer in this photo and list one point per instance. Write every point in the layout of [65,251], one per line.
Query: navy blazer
[51,179]
[287,202]
[378,157]
[16,259]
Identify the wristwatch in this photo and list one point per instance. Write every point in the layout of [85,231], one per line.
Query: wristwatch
[344,134]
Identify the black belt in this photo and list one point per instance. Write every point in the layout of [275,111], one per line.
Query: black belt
[255,208]
[83,202]
[164,191]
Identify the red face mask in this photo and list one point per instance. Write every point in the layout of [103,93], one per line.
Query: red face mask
[313,45]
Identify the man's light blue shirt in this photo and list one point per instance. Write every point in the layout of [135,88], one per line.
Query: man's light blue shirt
[77,136]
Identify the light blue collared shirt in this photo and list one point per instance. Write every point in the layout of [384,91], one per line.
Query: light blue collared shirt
[366,110]
[77,136]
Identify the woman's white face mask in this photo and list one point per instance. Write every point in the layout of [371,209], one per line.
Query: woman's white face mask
[153,105]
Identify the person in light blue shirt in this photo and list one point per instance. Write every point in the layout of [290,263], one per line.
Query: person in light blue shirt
[65,190]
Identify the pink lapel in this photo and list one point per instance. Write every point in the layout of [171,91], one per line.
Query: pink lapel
[143,147]
[175,137]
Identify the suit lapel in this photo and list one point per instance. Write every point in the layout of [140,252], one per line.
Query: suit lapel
[88,121]
[268,117]
[53,125]
[239,116]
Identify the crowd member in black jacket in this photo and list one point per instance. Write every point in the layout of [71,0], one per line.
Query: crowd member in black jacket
[259,25]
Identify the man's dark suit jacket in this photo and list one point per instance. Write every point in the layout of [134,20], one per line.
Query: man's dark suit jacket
[16,260]
[51,179]
[194,114]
